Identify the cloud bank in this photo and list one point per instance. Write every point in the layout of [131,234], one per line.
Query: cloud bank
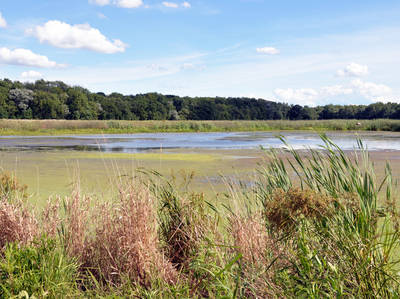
[81,36]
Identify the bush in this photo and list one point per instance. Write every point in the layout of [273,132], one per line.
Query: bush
[41,270]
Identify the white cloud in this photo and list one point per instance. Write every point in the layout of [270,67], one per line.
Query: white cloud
[129,3]
[170,4]
[353,70]
[81,36]
[371,90]
[3,22]
[309,96]
[186,4]
[303,96]
[268,50]
[335,90]
[119,3]
[25,57]
[31,75]
[99,2]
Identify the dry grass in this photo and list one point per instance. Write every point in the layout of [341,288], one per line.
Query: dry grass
[250,238]
[75,226]
[54,126]
[17,224]
[11,189]
[118,240]
[50,220]
[261,255]
[286,208]
[126,240]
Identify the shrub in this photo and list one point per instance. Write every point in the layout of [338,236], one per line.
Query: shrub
[41,270]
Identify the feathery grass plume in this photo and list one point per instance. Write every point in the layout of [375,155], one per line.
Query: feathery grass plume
[118,239]
[125,241]
[50,220]
[261,255]
[250,238]
[17,223]
[75,226]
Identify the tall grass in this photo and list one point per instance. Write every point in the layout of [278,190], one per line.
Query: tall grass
[59,127]
[313,224]
[348,249]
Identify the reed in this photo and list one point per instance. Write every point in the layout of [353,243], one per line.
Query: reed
[63,127]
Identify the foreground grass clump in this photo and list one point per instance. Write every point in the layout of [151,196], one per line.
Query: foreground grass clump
[314,224]
[66,127]
[41,269]
[123,242]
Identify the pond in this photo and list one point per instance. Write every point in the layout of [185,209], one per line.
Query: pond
[134,143]
[51,165]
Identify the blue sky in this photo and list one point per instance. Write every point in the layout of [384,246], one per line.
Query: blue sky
[303,52]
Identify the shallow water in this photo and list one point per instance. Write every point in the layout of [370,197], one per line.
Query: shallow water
[52,165]
[132,143]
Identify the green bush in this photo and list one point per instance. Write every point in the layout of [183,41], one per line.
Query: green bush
[41,270]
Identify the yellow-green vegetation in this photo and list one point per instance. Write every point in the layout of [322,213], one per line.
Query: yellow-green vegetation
[310,225]
[181,157]
[66,127]
[52,173]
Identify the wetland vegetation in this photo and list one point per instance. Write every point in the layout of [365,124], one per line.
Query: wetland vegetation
[313,224]
[75,127]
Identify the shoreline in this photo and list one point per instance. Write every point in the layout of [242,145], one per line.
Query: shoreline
[12,127]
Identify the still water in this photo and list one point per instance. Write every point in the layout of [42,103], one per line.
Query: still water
[132,143]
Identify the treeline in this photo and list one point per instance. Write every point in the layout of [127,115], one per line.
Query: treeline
[57,100]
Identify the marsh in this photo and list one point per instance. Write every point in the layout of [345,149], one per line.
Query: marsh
[51,165]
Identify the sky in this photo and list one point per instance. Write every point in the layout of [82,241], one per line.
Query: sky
[299,52]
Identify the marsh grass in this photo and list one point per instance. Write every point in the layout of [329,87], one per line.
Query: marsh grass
[319,224]
[65,127]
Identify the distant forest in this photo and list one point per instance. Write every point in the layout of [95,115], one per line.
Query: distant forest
[57,100]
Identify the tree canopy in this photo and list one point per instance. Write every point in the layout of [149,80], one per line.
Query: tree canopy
[57,100]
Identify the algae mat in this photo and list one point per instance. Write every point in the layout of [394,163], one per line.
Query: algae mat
[52,173]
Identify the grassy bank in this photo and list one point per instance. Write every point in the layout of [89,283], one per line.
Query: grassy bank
[323,227]
[60,127]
